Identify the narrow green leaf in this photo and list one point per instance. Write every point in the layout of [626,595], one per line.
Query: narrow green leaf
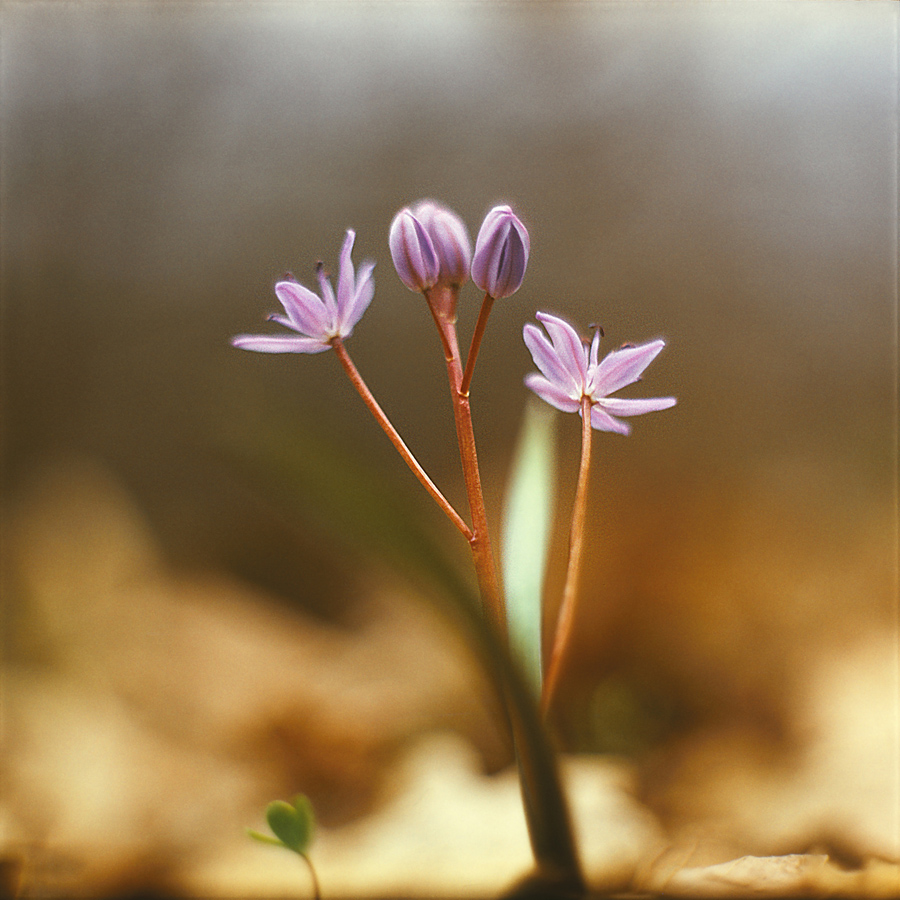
[527,520]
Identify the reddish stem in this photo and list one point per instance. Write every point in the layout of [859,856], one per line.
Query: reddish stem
[396,440]
[563,633]
[546,809]
[439,301]
[480,325]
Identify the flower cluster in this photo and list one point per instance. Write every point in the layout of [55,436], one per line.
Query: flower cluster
[430,246]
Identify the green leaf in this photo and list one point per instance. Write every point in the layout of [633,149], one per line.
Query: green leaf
[292,823]
[304,808]
[527,520]
[263,838]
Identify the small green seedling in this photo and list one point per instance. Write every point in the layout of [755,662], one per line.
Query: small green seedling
[293,825]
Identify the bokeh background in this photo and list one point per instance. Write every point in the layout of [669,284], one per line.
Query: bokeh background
[722,175]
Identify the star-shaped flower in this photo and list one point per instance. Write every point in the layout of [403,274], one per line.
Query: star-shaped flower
[571,372]
[318,320]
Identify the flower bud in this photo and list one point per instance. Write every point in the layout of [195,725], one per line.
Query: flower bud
[450,238]
[413,252]
[501,253]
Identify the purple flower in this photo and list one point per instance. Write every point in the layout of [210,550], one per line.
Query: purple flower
[318,320]
[571,372]
[413,252]
[450,240]
[501,253]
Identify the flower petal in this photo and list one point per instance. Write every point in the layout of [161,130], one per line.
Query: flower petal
[346,281]
[501,253]
[278,343]
[282,320]
[413,252]
[328,299]
[352,309]
[622,367]
[305,309]
[511,265]
[636,407]
[548,391]
[603,421]
[547,360]
[450,238]
[595,349]
[568,346]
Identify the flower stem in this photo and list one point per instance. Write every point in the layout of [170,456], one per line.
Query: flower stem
[317,892]
[546,807]
[396,440]
[563,632]
[480,325]
[479,540]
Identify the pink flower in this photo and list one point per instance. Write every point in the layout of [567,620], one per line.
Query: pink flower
[318,320]
[571,372]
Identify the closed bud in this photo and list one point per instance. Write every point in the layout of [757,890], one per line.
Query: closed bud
[413,252]
[450,239]
[501,253]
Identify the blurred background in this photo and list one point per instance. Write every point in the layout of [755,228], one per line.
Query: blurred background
[212,592]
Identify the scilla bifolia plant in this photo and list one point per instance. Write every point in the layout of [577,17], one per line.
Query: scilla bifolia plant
[432,254]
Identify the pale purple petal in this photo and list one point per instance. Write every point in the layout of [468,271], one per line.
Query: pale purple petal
[277,343]
[283,320]
[305,309]
[489,245]
[636,407]
[511,265]
[499,218]
[346,281]
[353,309]
[568,346]
[603,421]
[622,367]
[501,253]
[328,299]
[547,360]
[450,238]
[595,349]
[548,391]
[413,252]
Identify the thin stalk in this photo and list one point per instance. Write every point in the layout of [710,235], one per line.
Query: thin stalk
[317,892]
[480,325]
[479,540]
[394,437]
[546,807]
[566,617]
